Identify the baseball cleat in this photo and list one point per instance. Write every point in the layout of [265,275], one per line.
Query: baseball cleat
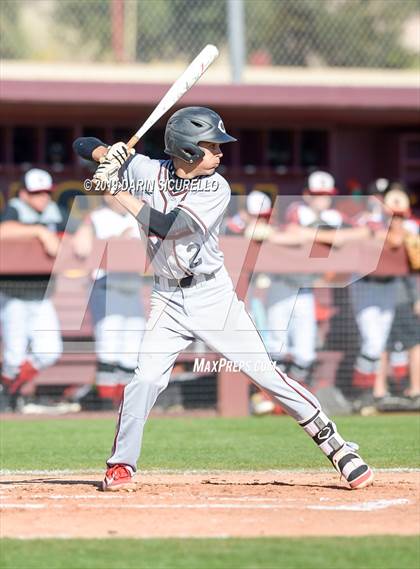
[342,454]
[352,467]
[27,373]
[118,477]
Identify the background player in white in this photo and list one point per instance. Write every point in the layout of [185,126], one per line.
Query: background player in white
[373,297]
[115,304]
[193,295]
[30,327]
[291,303]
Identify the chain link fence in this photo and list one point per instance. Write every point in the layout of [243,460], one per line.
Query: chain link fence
[306,33]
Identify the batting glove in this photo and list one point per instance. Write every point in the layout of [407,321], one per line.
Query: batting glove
[118,152]
[106,176]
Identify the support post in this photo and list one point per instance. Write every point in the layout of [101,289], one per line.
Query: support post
[236,35]
[232,394]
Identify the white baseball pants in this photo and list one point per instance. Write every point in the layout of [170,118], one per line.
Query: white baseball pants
[29,323]
[292,328]
[118,339]
[211,312]
[374,308]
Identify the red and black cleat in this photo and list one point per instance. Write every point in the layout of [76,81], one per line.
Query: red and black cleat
[27,373]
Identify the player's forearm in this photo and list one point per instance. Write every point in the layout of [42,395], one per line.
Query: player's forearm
[294,234]
[16,230]
[345,235]
[99,152]
[326,236]
[354,233]
[284,238]
[131,204]
[83,240]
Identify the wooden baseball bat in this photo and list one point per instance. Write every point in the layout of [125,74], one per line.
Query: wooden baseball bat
[189,78]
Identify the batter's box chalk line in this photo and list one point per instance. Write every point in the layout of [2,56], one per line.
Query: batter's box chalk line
[145,473]
[369,506]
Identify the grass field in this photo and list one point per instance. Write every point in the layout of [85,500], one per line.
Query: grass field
[263,553]
[208,444]
[205,444]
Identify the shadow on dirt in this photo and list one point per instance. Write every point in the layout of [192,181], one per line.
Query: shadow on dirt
[52,481]
[275,483]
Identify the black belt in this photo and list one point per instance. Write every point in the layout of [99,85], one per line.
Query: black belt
[380,280]
[186,282]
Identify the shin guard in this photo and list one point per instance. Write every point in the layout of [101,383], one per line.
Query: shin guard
[342,454]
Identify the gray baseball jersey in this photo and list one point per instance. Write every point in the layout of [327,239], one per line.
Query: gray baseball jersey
[181,219]
[209,310]
[204,199]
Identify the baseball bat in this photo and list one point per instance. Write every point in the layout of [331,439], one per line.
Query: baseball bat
[189,78]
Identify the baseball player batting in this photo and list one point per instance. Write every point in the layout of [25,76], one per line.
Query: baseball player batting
[179,204]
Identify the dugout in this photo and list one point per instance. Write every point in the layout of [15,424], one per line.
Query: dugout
[287,124]
[358,126]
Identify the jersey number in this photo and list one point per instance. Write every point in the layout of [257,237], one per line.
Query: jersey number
[194,262]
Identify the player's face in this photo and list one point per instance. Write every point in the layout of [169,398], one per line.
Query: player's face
[211,158]
[319,203]
[37,200]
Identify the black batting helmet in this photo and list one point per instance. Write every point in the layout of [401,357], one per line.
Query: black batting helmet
[187,127]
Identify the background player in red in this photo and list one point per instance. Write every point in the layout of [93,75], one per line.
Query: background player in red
[404,336]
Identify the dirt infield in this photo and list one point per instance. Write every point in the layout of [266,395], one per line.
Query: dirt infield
[208,505]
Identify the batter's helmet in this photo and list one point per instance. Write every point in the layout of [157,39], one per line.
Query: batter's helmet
[187,127]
